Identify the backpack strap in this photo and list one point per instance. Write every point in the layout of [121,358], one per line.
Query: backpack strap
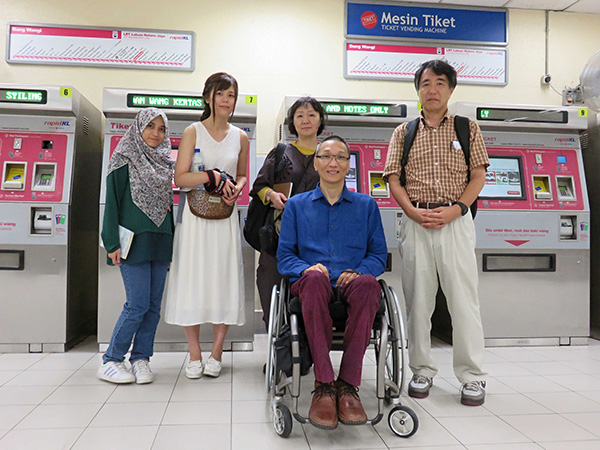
[278,154]
[410,132]
[463,133]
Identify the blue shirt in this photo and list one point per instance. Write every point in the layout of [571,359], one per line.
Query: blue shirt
[345,235]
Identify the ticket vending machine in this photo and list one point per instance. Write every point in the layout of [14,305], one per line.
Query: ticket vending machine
[590,144]
[182,108]
[367,126]
[533,225]
[50,157]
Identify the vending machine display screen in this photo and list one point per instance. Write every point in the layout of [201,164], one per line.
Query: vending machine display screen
[504,179]
[353,176]
[165,101]
[522,115]
[23,96]
[364,109]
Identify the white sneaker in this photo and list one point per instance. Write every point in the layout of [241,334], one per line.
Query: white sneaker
[193,369]
[212,367]
[473,393]
[141,371]
[115,372]
[419,386]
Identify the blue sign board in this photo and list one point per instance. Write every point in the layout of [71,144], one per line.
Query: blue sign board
[391,21]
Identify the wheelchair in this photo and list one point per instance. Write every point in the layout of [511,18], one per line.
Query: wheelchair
[387,337]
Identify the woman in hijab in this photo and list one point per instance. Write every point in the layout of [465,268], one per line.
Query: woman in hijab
[139,200]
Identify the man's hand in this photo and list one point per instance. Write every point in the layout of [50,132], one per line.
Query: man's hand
[439,217]
[346,277]
[320,267]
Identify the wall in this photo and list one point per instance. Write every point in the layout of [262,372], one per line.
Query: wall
[276,48]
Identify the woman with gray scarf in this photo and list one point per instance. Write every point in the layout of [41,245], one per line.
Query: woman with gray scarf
[139,198]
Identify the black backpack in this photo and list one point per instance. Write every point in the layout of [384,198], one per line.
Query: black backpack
[463,132]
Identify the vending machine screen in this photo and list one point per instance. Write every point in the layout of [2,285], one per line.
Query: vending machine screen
[353,176]
[504,179]
[23,96]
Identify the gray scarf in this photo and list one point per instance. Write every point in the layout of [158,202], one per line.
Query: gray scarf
[150,169]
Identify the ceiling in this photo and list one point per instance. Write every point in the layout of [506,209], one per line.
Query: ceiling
[576,6]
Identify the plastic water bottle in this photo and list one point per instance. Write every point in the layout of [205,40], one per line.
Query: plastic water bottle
[197,161]
[197,164]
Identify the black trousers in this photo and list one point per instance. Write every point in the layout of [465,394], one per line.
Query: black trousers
[266,277]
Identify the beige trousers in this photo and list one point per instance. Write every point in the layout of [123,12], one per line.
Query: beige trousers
[449,253]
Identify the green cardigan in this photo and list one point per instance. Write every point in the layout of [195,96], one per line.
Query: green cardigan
[150,243]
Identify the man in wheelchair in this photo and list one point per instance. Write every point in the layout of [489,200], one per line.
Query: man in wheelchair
[332,238]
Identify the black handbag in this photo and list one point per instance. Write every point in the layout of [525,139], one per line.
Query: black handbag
[267,234]
[257,216]
[258,213]
[283,350]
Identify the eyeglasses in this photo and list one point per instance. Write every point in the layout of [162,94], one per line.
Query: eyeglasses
[339,158]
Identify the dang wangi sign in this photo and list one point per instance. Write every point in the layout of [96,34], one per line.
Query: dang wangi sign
[385,21]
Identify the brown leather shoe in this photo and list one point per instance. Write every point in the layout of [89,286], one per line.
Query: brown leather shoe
[350,409]
[323,410]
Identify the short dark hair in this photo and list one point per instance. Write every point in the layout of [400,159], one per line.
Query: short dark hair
[334,137]
[297,104]
[439,67]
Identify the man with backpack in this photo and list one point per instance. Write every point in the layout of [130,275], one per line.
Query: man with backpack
[435,178]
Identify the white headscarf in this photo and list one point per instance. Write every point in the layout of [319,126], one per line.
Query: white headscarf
[150,169]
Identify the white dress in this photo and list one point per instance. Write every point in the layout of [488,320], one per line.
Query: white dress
[206,281]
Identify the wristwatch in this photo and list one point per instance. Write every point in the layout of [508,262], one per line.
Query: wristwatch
[463,208]
[268,196]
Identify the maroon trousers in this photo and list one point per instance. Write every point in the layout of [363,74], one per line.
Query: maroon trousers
[362,295]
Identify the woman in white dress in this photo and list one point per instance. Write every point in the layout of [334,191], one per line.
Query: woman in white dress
[206,283]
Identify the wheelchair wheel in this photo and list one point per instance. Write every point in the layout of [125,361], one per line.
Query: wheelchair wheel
[400,335]
[394,357]
[271,333]
[403,421]
[277,319]
[282,421]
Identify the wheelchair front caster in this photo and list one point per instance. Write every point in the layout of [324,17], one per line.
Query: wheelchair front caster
[282,421]
[403,421]
[390,398]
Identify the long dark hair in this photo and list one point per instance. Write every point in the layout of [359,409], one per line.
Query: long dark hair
[219,81]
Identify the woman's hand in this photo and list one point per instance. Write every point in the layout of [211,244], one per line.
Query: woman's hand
[115,257]
[231,192]
[277,199]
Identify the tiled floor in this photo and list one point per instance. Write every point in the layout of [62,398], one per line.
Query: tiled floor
[538,398]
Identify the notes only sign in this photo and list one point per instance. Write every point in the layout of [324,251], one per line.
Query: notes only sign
[398,21]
